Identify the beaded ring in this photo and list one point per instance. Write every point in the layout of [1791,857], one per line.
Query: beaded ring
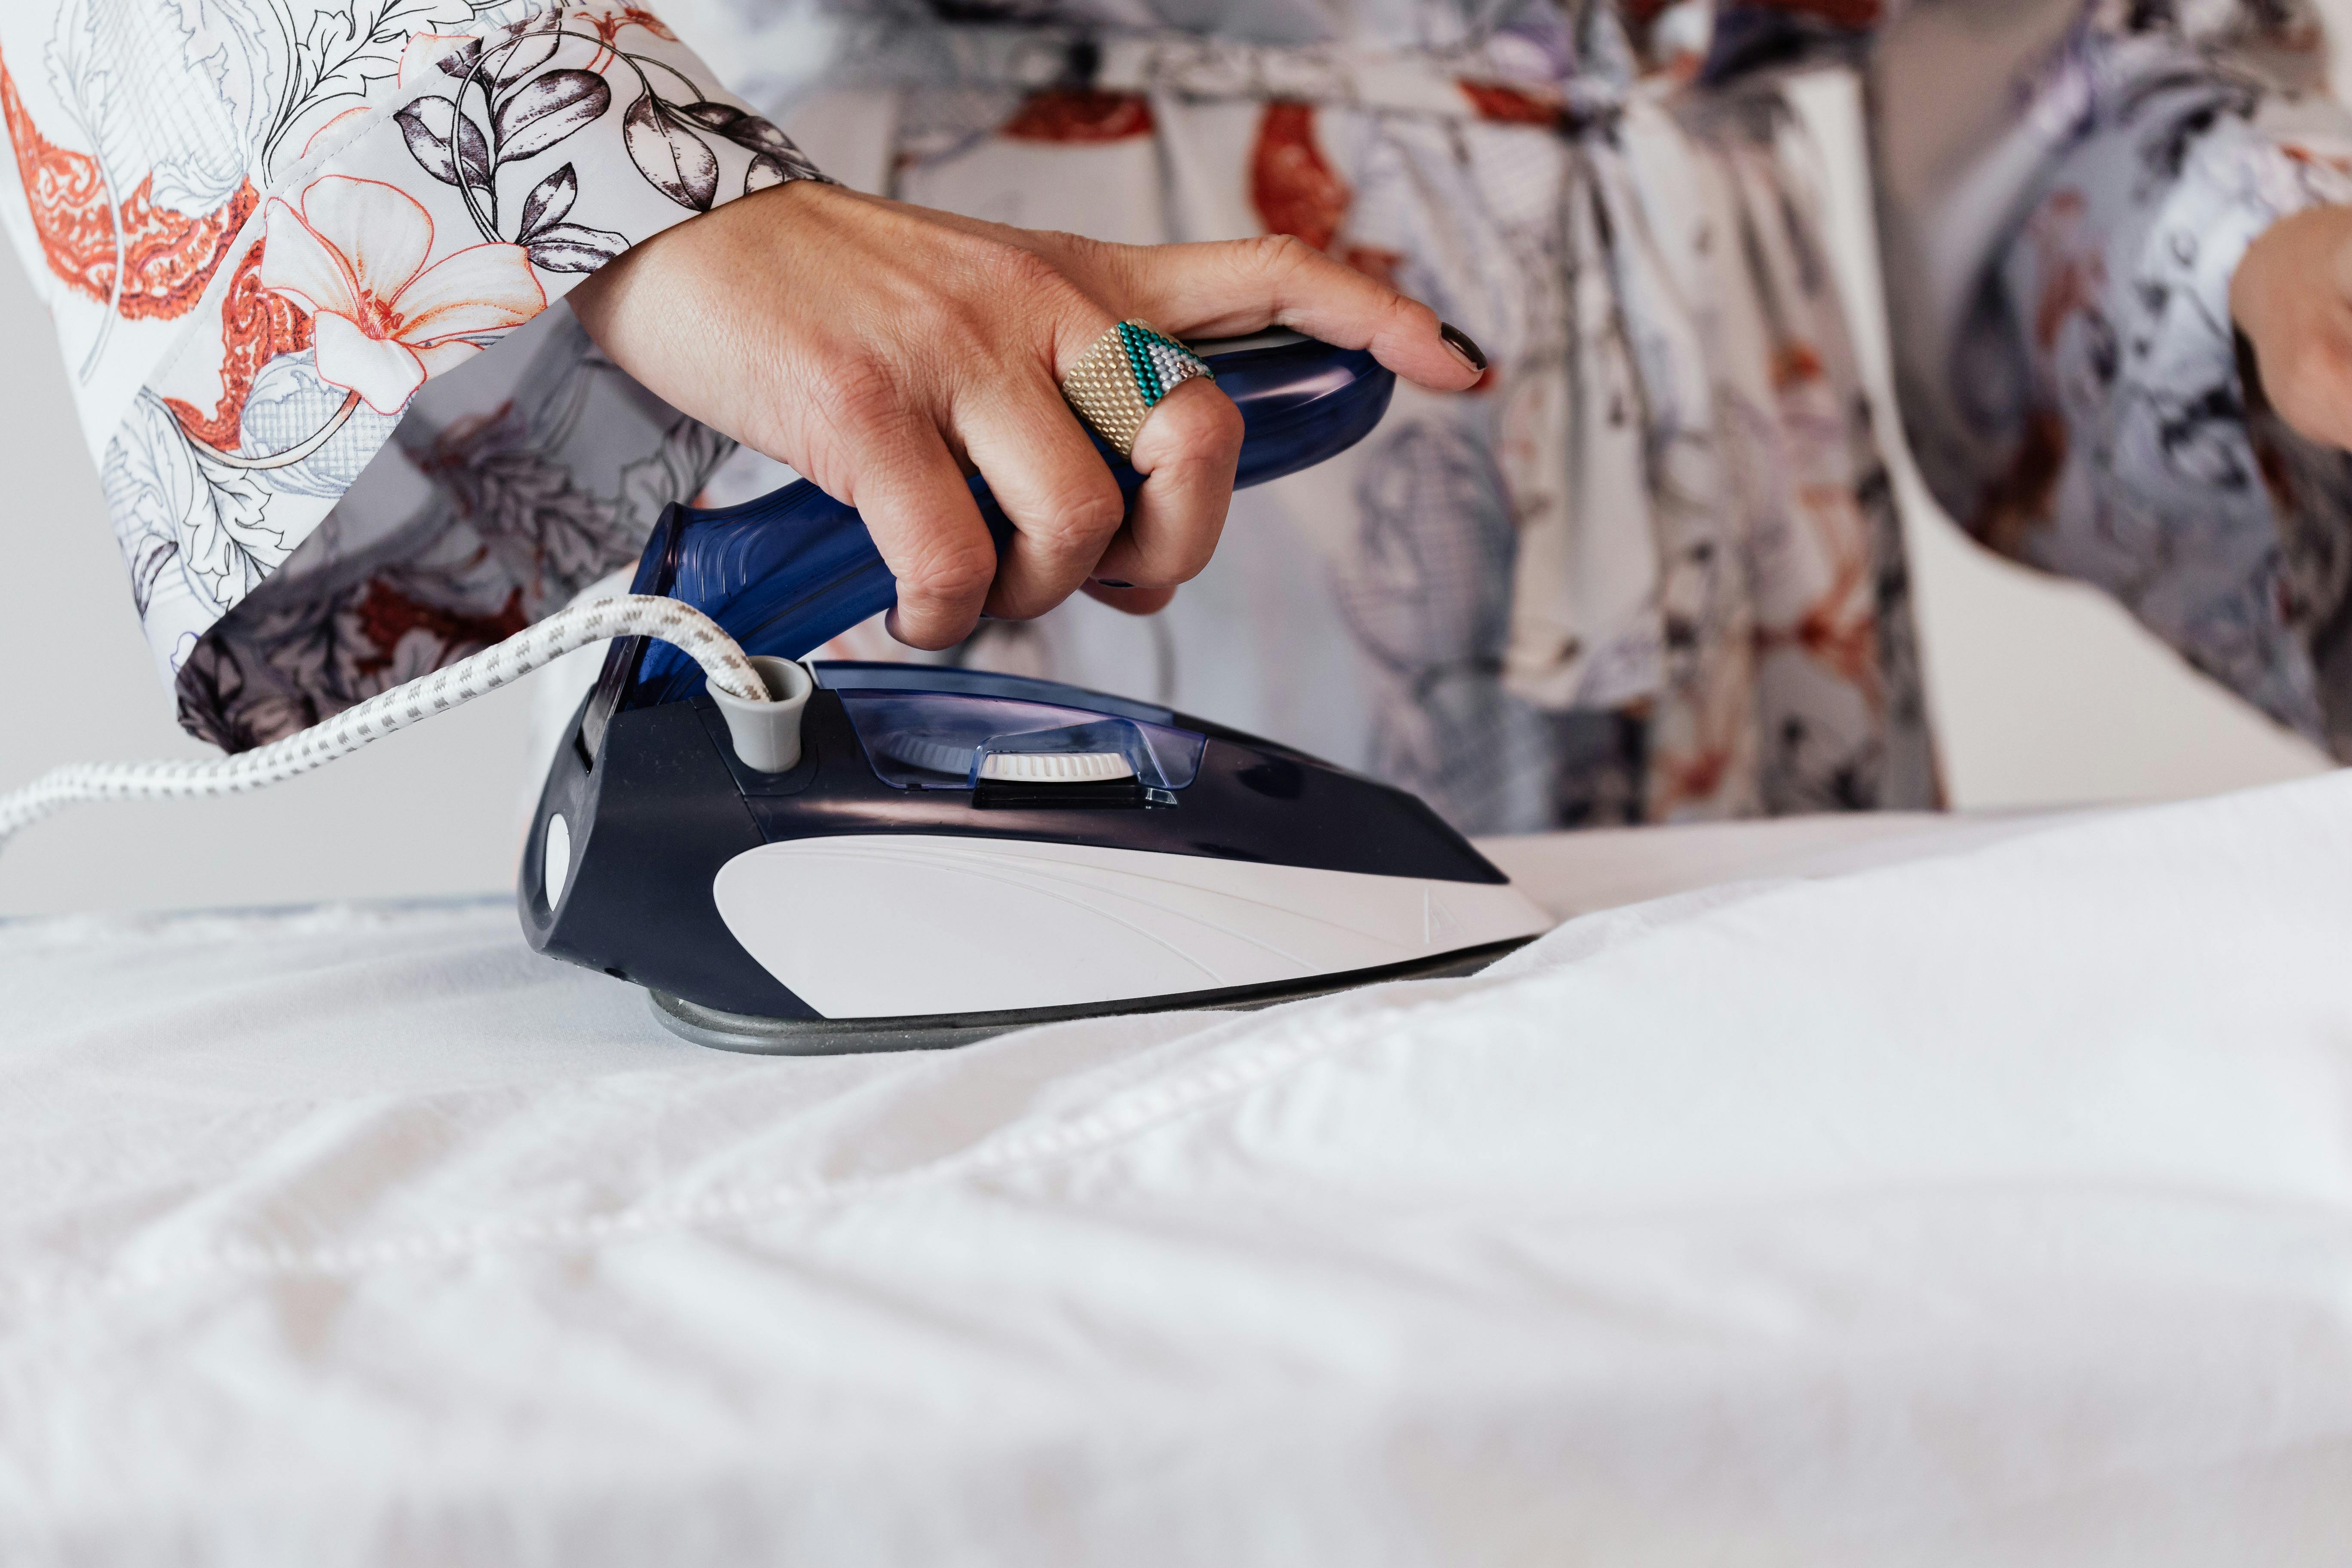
[1123,377]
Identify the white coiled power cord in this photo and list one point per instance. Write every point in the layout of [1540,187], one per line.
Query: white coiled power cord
[741,686]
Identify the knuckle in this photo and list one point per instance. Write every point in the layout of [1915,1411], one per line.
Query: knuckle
[1105,262]
[1078,248]
[1279,255]
[1008,272]
[1281,250]
[1411,319]
[950,572]
[1077,517]
[950,322]
[1202,424]
[1008,297]
[856,393]
[1220,424]
[1409,313]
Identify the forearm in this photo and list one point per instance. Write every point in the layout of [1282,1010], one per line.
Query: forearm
[2065,295]
[2291,297]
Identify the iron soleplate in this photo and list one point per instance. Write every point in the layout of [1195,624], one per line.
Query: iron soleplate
[940,1031]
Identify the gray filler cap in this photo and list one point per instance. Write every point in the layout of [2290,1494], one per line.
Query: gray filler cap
[767,736]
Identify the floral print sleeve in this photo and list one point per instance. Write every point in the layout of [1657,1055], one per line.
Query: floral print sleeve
[266,230]
[2070,374]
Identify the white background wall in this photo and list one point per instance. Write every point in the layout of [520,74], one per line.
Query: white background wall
[2043,692]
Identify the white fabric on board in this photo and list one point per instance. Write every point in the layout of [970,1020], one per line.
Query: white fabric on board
[1992,1207]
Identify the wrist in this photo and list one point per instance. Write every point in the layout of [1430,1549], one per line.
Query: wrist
[643,279]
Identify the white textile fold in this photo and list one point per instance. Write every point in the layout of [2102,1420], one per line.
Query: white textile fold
[1995,1208]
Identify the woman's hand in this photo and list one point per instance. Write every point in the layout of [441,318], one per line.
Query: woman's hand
[885,350]
[2291,297]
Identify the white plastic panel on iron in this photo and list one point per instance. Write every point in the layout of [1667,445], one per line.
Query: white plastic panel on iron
[882,925]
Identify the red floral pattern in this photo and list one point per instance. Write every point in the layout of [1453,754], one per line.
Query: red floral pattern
[2073,270]
[68,200]
[168,256]
[257,326]
[1080,115]
[1510,105]
[609,25]
[358,255]
[1839,627]
[386,615]
[1293,186]
[1794,364]
[1297,192]
[169,259]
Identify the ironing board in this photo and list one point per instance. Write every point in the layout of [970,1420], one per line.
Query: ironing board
[1891,1190]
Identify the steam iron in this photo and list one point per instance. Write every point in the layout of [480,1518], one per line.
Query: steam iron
[937,855]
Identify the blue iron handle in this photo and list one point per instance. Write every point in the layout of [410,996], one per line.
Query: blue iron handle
[793,569]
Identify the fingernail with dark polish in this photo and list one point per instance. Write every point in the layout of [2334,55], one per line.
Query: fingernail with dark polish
[1457,339]
[1113,583]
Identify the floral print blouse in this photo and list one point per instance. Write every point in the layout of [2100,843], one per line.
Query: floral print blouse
[300,256]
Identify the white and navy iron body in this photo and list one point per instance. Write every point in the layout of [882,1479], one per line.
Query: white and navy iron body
[956,853]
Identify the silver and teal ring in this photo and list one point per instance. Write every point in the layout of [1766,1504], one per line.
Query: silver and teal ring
[1124,376]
